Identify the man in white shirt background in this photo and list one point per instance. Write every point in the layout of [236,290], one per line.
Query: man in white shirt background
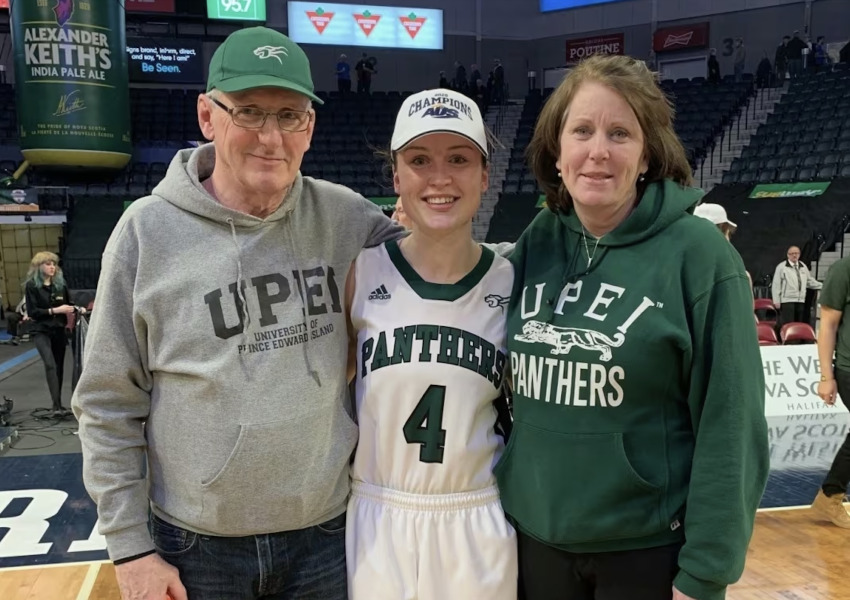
[790,282]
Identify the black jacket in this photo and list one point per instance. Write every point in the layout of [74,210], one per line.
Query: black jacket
[713,69]
[39,301]
[781,57]
[794,50]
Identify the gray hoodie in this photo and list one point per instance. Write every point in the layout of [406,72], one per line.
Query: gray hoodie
[242,415]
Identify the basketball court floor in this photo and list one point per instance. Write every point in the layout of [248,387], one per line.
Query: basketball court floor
[50,549]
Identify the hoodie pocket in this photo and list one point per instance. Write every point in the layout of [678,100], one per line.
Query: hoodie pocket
[568,488]
[281,475]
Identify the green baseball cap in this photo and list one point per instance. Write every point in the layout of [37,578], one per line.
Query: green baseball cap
[260,57]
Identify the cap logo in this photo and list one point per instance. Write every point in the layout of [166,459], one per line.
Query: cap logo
[271,52]
[440,106]
[439,111]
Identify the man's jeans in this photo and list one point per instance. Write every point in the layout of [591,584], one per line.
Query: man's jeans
[306,564]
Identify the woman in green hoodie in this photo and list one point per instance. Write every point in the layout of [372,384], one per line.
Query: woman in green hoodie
[639,451]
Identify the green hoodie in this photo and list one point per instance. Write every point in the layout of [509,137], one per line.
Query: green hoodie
[638,390]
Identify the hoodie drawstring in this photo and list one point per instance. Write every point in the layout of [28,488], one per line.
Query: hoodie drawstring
[313,373]
[240,293]
[572,272]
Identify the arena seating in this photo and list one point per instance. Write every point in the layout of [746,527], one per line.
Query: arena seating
[703,112]
[91,220]
[806,138]
[159,116]
[349,132]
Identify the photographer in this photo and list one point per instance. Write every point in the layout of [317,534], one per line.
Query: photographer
[48,302]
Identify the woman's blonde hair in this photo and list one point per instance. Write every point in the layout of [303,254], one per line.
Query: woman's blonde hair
[638,86]
[35,275]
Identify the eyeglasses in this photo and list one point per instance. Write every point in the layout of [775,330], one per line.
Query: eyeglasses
[249,117]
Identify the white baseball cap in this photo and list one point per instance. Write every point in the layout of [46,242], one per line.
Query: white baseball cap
[714,213]
[439,111]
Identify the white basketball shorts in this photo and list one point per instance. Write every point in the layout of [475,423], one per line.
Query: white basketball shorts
[402,546]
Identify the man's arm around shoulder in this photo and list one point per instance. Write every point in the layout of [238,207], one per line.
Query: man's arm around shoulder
[378,228]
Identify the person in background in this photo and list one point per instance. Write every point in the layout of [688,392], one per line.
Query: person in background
[343,75]
[821,55]
[479,94]
[499,86]
[740,59]
[460,82]
[794,54]
[48,303]
[474,76]
[717,215]
[791,279]
[634,424]
[364,70]
[780,60]
[834,356]
[713,67]
[764,72]
[15,320]
[399,216]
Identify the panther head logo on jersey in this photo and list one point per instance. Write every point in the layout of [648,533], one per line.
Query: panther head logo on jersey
[496,301]
[271,52]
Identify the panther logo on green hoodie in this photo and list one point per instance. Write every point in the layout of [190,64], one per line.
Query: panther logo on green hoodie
[565,339]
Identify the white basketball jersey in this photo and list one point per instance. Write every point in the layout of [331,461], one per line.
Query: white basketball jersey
[430,362]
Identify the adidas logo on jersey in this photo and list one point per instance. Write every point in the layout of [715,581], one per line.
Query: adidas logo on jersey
[380,293]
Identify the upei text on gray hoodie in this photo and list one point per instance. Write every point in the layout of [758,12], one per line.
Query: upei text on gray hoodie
[241,414]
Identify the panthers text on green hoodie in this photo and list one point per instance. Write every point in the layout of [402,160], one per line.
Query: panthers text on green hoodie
[236,394]
[638,390]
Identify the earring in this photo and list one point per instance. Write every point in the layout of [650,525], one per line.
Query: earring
[642,178]
[559,174]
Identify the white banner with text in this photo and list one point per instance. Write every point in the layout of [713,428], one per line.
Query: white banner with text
[791,377]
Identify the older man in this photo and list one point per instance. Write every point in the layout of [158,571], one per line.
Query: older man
[791,279]
[213,404]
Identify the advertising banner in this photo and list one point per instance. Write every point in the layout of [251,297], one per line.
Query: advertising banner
[791,377]
[154,60]
[366,25]
[681,37]
[237,10]
[71,83]
[550,5]
[613,43]
[160,6]
[789,190]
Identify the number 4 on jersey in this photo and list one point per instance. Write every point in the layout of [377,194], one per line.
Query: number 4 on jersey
[425,425]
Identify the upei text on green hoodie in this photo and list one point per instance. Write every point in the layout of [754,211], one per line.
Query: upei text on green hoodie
[216,355]
[638,390]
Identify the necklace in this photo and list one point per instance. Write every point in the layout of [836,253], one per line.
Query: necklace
[586,249]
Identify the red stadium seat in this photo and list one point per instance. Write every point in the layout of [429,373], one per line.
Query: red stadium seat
[797,333]
[765,311]
[767,335]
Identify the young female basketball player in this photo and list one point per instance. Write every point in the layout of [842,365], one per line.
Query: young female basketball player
[428,319]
